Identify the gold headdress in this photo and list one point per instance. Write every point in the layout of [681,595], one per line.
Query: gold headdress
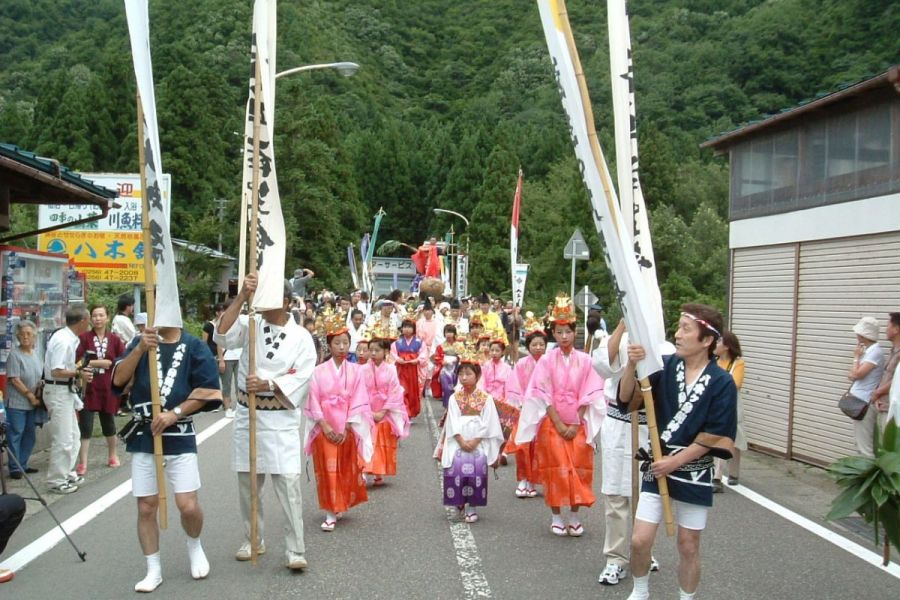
[532,325]
[471,356]
[335,322]
[379,331]
[563,311]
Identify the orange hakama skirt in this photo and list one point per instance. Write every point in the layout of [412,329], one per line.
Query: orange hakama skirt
[564,467]
[525,466]
[384,459]
[338,475]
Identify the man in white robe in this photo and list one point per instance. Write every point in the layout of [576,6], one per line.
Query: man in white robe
[285,359]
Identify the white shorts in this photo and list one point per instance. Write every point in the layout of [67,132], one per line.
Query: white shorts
[182,474]
[689,516]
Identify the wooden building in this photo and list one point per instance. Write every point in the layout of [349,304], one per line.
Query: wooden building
[814,235]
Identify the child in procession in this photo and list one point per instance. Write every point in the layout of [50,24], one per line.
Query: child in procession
[472,441]
[339,426]
[516,385]
[562,411]
[388,411]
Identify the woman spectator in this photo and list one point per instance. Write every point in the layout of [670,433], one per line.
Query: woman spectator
[865,373]
[98,395]
[729,352]
[23,371]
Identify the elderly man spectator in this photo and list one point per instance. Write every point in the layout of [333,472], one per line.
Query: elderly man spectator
[881,395]
[61,398]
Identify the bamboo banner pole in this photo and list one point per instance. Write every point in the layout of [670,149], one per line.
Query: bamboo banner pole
[150,291]
[635,465]
[598,158]
[253,258]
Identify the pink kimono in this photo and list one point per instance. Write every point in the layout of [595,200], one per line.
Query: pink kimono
[494,374]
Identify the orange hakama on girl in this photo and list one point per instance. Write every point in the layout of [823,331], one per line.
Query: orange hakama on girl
[516,385]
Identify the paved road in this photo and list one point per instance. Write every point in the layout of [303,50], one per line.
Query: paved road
[402,544]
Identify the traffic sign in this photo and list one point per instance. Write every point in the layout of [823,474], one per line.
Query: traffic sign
[584,298]
[576,247]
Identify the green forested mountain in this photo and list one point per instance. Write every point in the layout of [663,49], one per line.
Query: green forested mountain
[453,96]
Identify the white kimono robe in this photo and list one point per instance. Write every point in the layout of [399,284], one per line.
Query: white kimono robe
[279,448]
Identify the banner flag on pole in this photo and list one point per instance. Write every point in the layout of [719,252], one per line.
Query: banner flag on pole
[520,274]
[271,242]
[631,197]
[631,292]
[351,259]
[168,307]
[514,231]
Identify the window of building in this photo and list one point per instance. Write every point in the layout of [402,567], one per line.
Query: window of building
[822,161]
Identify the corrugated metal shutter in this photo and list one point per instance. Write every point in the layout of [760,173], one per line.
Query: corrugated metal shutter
[840,281]
[762,314]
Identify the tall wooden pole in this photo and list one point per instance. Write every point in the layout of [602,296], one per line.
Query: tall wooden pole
[150,290]
[253,257]
[607,187]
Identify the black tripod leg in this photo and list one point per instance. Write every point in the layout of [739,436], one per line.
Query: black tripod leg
[39,497]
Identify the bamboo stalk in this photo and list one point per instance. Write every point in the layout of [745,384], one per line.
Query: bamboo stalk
[150,290]
[253,259]
[607,188]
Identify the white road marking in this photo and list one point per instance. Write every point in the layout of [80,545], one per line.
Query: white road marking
[857,550]
[46,542]
[471,571]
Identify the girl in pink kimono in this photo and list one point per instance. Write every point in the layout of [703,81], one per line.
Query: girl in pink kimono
[562,411]
[338,427]
[388,410]
[536,344]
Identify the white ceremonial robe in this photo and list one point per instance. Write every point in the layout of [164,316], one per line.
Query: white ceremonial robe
[279,447]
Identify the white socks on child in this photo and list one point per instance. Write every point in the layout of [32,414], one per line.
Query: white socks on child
[683,595]
[641,589]
[154,575]
[558,520]
[199,564]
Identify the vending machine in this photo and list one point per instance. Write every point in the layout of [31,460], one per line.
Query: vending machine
[35,286]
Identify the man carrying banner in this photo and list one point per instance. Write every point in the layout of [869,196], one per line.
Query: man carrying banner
[189,383]
[695,402]
[285,360]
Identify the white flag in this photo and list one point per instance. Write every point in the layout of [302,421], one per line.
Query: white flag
[631,197]
[168,308]
[631,291]
[271,244]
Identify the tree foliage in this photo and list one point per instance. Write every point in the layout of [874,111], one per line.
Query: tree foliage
[451,99]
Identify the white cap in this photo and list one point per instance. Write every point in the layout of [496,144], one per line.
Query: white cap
[140,318]
[867,327]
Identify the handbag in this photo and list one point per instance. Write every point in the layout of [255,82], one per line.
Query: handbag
[853,407]
[39,394]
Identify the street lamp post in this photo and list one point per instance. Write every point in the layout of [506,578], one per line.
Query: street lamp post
[347,69]
[456,214]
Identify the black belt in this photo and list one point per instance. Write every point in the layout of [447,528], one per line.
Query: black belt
[267,402]
[54,382]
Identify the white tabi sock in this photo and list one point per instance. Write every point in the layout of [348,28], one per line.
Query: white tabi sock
[573,518]
[199,564]
[154,575]
[683,595]
[641,589]
[557,520]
